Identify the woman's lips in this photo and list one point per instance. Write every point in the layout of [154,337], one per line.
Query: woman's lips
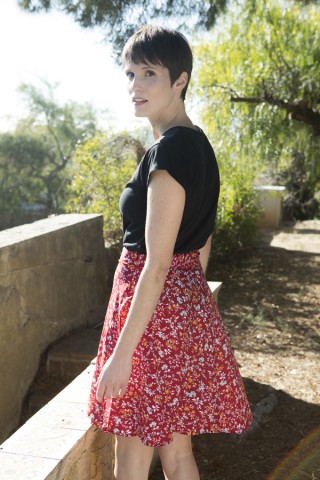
[138,101]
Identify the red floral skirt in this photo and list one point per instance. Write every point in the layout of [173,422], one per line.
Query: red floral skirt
[184,376]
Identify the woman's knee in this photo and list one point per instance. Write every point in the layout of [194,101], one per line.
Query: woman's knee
[132,458]
[177,452]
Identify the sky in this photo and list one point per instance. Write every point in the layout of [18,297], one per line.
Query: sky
[51,46]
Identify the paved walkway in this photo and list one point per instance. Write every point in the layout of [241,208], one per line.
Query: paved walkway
[303,237]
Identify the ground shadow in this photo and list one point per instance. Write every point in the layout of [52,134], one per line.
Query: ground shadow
[271,287]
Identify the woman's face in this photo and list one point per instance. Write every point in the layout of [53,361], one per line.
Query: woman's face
[150,90]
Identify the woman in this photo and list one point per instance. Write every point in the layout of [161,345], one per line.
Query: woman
[165,369]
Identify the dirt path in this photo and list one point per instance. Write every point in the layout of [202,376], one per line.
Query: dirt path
[270,303]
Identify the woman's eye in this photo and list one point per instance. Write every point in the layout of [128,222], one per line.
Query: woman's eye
[150,73]
[130,75]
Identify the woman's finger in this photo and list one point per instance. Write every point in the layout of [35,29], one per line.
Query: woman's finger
[123,390]
[108,392]
[100,391]
[116,391]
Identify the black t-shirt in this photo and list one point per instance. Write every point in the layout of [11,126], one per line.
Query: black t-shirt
[189,158]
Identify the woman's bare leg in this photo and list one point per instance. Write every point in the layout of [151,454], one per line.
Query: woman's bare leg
[177,459]
[133,459]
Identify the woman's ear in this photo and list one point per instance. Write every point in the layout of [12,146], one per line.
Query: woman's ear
[182,81]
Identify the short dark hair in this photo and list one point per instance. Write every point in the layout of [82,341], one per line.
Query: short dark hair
[160,46]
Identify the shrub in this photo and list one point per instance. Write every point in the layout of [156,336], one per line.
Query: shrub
[237,215]
[102,167]
[302,181]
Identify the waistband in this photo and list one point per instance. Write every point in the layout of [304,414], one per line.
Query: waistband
[178,259]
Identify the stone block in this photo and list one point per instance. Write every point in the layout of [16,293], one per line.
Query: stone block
[269,199]
[214,288]
[73,367]
[73,353]
[18,467]
[54,367]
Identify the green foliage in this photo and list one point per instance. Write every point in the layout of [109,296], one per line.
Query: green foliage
[67,125]
[237,216]
[102,167]
[259,78]
[303,189]
[34,159]
[25,157]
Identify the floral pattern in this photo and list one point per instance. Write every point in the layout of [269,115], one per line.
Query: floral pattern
[184,377]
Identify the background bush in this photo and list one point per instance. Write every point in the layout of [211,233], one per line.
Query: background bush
[102,167]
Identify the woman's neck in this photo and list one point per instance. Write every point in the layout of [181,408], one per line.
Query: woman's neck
[158,128]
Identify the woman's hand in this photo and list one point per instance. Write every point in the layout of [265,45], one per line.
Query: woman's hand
[114,377]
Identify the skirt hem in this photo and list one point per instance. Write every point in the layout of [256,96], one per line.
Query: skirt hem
[196,431]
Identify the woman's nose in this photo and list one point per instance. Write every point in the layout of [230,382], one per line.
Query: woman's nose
[135,84]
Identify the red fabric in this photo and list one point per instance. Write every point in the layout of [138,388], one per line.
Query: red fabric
[184,375]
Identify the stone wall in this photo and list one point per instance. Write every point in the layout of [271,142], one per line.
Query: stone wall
[53,278]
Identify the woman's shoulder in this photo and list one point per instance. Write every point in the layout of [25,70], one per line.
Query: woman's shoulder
[178,140]
[183,134]
[181,146]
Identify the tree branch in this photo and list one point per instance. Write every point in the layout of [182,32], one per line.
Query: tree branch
[56,139]
[299,111]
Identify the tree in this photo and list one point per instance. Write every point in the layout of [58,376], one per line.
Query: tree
[290,54]
[102,166]
[121,19]
[35,157]
[260,79]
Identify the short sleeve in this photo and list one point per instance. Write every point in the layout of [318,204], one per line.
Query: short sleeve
[164,157]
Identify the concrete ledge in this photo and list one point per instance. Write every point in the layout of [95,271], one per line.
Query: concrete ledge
[215,287]
[269,200]
[42,227]
[53,279]
[58,443]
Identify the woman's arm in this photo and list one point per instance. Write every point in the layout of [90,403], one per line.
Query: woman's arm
[165,204]
[204,254]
